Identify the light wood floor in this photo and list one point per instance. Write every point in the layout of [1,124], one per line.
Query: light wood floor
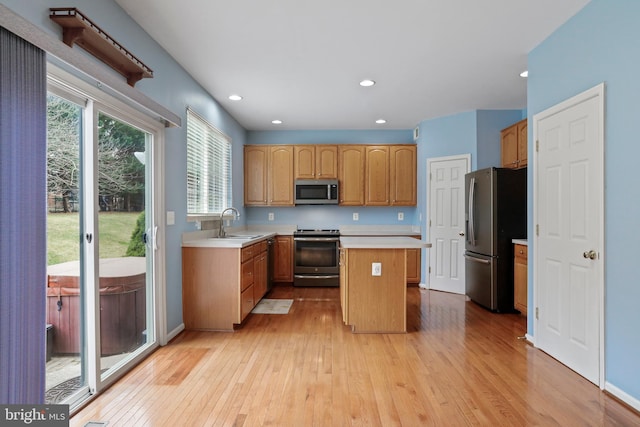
[458,365]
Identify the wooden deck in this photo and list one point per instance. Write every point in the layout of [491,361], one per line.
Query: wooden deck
[457,365]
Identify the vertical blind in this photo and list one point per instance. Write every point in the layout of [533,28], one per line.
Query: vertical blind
[208,167]
[23,210]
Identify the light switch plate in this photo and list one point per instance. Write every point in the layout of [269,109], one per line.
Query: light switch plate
[171,217]
[376,269]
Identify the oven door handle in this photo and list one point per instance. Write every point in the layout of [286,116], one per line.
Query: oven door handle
[316,239]
[324,276]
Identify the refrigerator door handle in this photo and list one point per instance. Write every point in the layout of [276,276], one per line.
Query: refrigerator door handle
[472,193]
[481,261]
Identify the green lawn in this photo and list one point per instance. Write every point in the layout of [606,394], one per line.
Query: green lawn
[63,235]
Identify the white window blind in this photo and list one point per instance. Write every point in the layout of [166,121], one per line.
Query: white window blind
[208,167]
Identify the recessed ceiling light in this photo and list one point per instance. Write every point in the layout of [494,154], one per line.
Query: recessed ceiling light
[367,83]
[381,121]
[525,73]
[235,97]
[276,122]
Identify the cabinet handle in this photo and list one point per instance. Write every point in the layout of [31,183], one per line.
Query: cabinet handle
[521,251]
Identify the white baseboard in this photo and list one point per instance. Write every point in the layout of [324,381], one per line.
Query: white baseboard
[422,285]
[171,335]
[530,339]
[626,398]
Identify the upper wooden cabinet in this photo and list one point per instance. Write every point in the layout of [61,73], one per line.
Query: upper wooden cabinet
[351,160]
[390,175]
[513,141]
[316,161]
[256,162]
[368,175]
[268,175]
[376,181]
[280,180]
[402,175]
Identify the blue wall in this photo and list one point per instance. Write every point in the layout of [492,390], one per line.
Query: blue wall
[473,132]
[172,87]
[600,44]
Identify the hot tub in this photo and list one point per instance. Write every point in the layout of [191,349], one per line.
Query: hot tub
[122,305]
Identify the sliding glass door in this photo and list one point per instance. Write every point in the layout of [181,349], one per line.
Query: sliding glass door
[125,241]
[66,346]
[102,241]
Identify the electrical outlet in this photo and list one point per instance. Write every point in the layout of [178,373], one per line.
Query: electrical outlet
[376,269]
[356,216]
[271,216]
[400,216]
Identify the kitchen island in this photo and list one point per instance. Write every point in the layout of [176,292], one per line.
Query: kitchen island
[373,282]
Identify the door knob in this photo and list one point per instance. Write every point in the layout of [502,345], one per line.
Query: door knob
[590,254]
[461,233]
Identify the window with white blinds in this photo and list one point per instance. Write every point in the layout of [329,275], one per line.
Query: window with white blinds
[208,167]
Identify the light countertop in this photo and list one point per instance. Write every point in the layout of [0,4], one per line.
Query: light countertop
[520,242]
[382,242]
[379,230]
[208,241]
[356,236]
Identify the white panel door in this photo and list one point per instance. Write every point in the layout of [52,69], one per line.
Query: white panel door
[445,202]
[568,248]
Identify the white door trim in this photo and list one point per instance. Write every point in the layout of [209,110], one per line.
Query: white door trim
[595,92]
[426,255]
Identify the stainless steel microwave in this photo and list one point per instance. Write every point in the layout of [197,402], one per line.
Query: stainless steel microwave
[316,192]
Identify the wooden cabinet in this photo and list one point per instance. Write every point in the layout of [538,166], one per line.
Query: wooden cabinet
[520,278]
[391,175]
[260,265]
[268,175]
[375,304]
[256,163]
[413,266]
[280,179]
[283,259]
[220,286]
[513,141]
[368,175]
[316,161]
[344,286]
[403,185]
[351,161]
[376,173]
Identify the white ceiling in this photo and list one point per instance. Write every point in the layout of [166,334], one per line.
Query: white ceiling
[300,61]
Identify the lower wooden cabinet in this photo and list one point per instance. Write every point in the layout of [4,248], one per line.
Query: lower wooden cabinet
[373,304]
[283,259]
[520,278]
[413,266]
[344,286]
[220,286]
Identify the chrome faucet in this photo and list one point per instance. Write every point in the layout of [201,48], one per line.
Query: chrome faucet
[221,232]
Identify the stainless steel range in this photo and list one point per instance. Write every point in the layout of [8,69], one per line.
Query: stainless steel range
[316,258]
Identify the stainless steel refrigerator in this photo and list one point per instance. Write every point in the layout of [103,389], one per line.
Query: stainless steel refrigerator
[495,213]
